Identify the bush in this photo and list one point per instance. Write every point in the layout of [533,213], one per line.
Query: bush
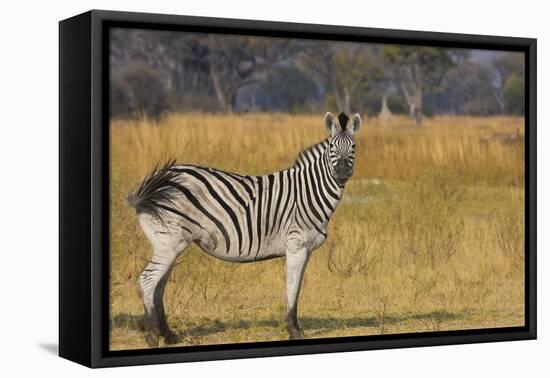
[137,89]
[514,94]
[287,89]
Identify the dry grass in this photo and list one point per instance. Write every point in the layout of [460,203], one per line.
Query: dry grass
[429,235]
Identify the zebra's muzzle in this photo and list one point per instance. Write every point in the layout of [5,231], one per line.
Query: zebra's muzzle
[343,172]
[341,182]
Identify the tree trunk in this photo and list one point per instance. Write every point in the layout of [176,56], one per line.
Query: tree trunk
[347,100]
[415,113]
[231,101]
[417,97]
[418,105]
[413,93]
[337,96]
[500,100]
[412,109]
[220,93]
[418,116]
[414,101]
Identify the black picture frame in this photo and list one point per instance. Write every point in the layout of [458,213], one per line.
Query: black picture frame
[84,188]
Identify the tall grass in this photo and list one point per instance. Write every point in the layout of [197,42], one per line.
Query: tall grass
[261,143]
[429,235]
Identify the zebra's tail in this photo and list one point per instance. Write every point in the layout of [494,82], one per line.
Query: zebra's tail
[154,194]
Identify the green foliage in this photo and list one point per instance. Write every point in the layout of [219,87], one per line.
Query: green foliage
[396,104]
[511,71]
[428,110]
[136,90]
[345,73]
[514,95]
[286,89]
[417,71]
[432,61]
[508,64]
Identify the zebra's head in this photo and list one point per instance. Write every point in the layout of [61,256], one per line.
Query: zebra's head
[341,150]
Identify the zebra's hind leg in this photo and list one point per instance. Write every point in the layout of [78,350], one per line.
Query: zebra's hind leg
[169,336]
[296,261]
[167,246]
[152,282]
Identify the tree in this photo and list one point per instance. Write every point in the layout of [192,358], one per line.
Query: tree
[287,89]
[133,46]
[212,72]
[510,69]
[466,89]
[235,62]
[514,95]
[344,70]
[414,70]
[201,64]
[138,89]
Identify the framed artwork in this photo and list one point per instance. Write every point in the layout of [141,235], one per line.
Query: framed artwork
[234,188]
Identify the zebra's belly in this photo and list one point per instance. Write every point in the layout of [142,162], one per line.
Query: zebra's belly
[247,251]
[257,249]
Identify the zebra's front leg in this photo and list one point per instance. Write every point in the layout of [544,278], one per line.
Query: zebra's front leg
[296,261]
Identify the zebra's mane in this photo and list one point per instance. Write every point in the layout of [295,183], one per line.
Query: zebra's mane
[302,155]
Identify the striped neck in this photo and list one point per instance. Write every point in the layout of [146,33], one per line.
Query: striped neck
[315,161]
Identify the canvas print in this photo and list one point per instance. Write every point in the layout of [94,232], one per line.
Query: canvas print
[266,189]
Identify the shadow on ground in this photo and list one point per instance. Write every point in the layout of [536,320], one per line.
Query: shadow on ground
[314,325]
[51,348]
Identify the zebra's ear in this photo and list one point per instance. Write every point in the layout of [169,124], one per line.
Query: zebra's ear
[331,123]
[355,123]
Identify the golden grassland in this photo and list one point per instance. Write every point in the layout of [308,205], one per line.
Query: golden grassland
[429,235]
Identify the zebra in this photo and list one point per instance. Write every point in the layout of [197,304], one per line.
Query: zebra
[241,219]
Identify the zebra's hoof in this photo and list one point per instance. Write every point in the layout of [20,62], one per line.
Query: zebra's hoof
[170,338]
[295,334]
[152,340]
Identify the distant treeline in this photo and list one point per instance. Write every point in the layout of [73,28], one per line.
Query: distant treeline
[154,72]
